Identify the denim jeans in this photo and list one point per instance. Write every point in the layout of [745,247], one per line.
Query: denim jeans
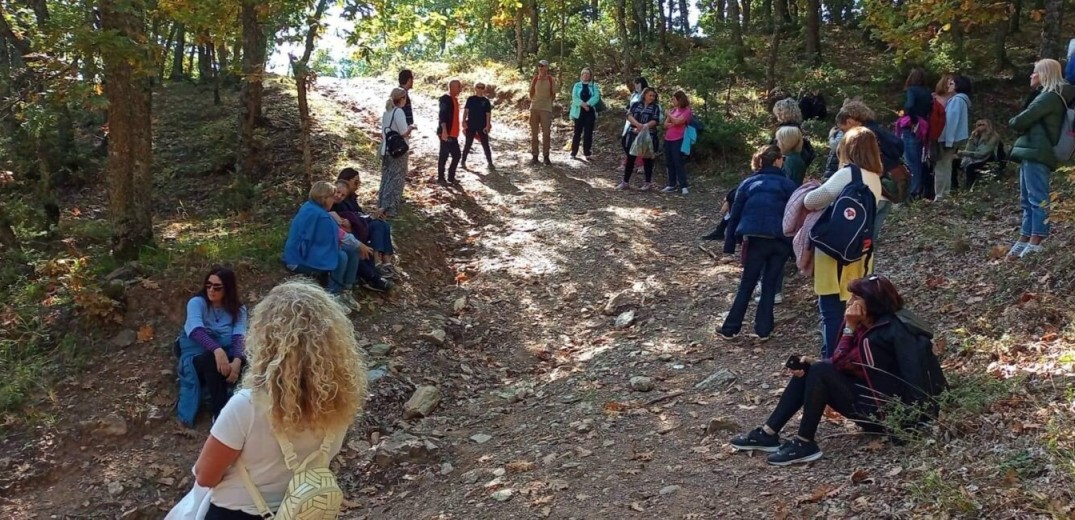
[1034,196]
[764,259]
[674,159]
[912,153]
[831,309]
[381,237]
[822,386]
[884,207]
[337,278]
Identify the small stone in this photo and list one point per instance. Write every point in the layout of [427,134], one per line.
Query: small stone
[125,338]
[436,337]
[719,377]
[641,384]
[380,350]
[471,477]
[155,413]
[664,356]
[502,495]
[721,425]
[499,472]
[459,305]
[615,302]
[446,468]
[115,488]
[668,490]
[481,438]
[625,320]
[557,484]
[112,424]
[422,403]
[405,448]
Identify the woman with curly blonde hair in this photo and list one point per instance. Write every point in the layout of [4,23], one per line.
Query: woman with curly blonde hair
[305,383]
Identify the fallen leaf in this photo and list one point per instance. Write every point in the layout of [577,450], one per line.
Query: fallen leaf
[1050,337]
[519,466]
[861,476]
[819,494]
[145,333]
[150,284]
[894,471]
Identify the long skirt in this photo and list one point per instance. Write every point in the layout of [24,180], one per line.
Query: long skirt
[393,175]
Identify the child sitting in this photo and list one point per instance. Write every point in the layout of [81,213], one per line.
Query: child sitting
[757,220]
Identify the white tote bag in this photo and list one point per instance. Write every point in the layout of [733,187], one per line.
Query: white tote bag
[194,506]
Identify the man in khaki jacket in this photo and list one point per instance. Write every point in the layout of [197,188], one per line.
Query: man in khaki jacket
[542,95]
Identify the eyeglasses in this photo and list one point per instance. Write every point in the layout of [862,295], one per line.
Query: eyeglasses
[214,286]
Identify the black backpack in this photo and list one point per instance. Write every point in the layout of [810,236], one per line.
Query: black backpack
[394,143]
[845,229]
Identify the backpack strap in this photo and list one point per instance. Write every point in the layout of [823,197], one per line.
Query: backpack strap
[290,457]
[856,174]
[259,501]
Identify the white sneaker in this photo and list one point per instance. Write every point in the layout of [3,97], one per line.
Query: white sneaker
[684,191]
[622,186]
[779,298]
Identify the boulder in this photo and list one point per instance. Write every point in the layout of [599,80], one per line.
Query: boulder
[422,403]
[403,448]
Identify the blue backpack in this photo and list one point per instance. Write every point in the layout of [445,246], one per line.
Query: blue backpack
[845,230]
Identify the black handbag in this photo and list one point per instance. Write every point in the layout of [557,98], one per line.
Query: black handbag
[394,143]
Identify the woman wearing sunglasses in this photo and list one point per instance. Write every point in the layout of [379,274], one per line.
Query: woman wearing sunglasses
[884,357]
[211,353]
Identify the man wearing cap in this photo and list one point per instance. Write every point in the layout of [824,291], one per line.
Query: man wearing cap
[542,94]
[448,132]
[477,121]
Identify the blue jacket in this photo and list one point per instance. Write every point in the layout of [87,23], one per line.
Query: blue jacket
[1069,70]
[917,102]
[690,136]
[890,145]
[313,240]
[759,204]
[956,121]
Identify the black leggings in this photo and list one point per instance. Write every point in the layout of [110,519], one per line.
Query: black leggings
[217,385]
[219,513]
[822,385]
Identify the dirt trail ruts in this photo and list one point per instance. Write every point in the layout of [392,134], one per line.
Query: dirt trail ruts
[548,246]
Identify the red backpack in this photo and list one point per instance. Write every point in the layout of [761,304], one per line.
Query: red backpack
[936,121]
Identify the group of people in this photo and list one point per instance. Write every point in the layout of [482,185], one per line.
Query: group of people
[872,349]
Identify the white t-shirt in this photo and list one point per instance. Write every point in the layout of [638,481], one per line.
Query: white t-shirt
[241,427]
[393,119]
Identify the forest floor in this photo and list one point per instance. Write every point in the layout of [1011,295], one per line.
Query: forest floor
[514,282]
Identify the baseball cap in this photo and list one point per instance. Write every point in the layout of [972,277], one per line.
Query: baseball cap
[544,63]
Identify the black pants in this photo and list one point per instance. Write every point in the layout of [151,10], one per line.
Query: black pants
[448,148]
[485,145]
[763,259]
[217,385]
[584,130]
[974,171]
[216,512]
[822,385]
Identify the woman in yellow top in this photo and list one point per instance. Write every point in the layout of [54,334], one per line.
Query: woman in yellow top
[859,147]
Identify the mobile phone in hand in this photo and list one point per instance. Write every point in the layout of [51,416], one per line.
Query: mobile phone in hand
[795,362]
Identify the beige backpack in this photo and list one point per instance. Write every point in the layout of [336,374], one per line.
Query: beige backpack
[312,493]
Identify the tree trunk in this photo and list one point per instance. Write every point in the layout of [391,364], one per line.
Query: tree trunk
[684,18]
[535,28]
[744,9]
[254,50]
[663,31]
[737,30]
[721,5]
[767,14]
[1000,40]
[1050,30]
[813,32]
[638,16]
[774,53]
[625,43]
[782,14]
[130,148]
[177,54]
[302,81]
[1016,10]
[205,61]
[520,45]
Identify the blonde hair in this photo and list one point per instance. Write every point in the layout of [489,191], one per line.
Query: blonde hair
[1050,75]
[859,147]
[856,110]
[789,139]
[305,369]
[320,190]
[787,111]
[397,94]
[985,133]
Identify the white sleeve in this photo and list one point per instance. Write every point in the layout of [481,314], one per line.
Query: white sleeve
[232,426]
[399,121]
[826,193]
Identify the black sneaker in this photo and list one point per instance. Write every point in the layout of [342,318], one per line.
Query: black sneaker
[534,160]
[377,285]
[795,451]
[547,161]
[757,440]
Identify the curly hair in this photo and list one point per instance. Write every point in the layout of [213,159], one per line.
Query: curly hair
[856,110]
[787,111]
[304,363]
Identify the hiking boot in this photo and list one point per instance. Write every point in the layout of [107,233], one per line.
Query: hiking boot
[534,160]
[623,186]
[547,161]
[668,189]
[377,285]
[756,440]
[795,451]
[440,180]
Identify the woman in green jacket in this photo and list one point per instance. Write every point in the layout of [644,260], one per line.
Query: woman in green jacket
[585,96]
[790,141]
[1038,126]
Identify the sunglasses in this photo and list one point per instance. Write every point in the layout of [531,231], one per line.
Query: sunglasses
[214,286]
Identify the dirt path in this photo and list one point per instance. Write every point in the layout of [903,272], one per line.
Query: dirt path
[567,436]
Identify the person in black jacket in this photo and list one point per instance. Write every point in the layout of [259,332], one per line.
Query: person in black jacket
[406,82]
[916,109]
[856,113]
[448,131]
[884,357]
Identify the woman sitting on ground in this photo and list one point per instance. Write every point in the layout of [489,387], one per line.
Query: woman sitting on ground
[981,150]
[313,245]
[211,346]
[882,358]
[305,384]
[371,228]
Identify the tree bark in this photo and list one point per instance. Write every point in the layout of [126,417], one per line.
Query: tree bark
[744,9]
[625,43]
[737,30]
[205,60]
[1050,30]
[783,16]
[767,14]
[520,45]
[130,149]
[774,54]
[1016,13]
[302,81]
[813,32]
[1000,40]
[254,50]
[177,54]
[721,6]
[684,18]
[535,28]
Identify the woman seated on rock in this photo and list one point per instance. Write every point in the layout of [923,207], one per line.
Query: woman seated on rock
[371,228]
[884,357]
[313,245]
[305,385]
[211,353]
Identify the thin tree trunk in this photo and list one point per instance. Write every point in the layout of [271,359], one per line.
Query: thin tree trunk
[1016,10]
[774,54]
[535,28]
[813,32]
[737,30]
[302,81]
[767,14]
[1050,30]
[663,32]
[520,45]
[721,6]
[684,18]
[177,54]
[625,43]
[782,15]
[1000,40]
[130,149]
[744,9]
[205,63]
[254,50]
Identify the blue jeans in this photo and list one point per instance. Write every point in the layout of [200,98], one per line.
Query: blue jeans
[337,278]
[912,154]
[1034,196]
[674,160]
[884,207]
[381,237]
[831,309]
[764,259]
